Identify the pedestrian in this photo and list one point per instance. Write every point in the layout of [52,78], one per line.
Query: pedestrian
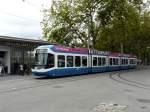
[25,69]
[21,69]
[1,68]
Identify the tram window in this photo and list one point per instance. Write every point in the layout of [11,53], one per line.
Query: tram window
[123,61]
[99,61]
[130,61]
[61,61]
[114,61]
[134,61]
[50,61]
[110,61]
[117,61]
[94,61]
[41,58]
[126,60]
[69,61]
[77,61]
[103,61]
[84,61]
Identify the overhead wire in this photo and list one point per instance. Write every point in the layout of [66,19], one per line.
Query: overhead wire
[20,17]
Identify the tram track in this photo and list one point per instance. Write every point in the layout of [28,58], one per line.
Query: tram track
[131,81]
[50,81]
[118,77]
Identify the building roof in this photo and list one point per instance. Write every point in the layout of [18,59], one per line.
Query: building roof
[16,39]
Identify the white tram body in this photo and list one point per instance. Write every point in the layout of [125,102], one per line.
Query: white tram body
[54,61]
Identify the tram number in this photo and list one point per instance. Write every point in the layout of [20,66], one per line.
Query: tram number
[41,51]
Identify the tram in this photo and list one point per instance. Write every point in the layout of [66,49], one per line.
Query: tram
[55,61]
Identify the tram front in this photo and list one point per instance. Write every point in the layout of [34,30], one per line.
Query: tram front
[43,62]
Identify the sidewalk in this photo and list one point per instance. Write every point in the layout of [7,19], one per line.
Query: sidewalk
[4,77]
[142,67]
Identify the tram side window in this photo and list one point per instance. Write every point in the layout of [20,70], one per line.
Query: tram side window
[94,61]
[126,61]
[122,61]
[84,61]
[117,61]
[110,61]
[99,61]
[61,61]
[131,61]
[134,61]
[114,61]
[50,61]
[77,61]
[103,61]
[69,61]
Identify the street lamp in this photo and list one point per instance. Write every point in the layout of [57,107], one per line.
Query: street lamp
[90,38]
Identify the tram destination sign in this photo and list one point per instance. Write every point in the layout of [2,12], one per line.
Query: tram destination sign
[41,51]
[105,53]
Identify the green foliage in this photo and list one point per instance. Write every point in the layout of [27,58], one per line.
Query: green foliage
[110,24]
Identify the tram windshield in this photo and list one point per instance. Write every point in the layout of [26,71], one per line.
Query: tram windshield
[41,58]
[44,59]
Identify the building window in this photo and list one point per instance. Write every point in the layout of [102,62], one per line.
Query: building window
[69,61]
[77,61]
[61,61]
[84,61]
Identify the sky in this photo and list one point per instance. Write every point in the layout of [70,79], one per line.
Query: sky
[21,18]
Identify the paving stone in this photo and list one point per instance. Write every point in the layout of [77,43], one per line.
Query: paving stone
[110,107]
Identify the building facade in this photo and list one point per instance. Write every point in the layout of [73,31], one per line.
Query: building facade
[17,51]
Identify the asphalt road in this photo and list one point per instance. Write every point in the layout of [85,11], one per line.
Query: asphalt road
[78,93]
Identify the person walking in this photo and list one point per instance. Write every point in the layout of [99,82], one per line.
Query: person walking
[21,69]
[1,68]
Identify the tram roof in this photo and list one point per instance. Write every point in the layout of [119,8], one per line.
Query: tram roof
[58,48]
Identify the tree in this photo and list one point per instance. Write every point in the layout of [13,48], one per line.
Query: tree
[77,16]
[120,21]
